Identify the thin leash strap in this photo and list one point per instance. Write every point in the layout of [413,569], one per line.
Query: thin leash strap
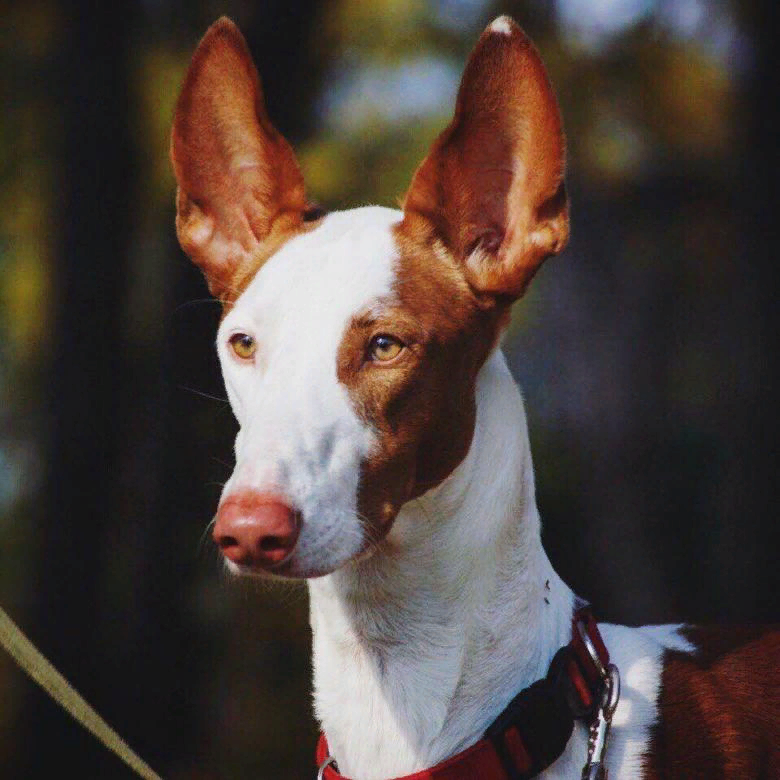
[30,659]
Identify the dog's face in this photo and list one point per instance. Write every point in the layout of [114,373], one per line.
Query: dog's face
[352,378]
[350,343]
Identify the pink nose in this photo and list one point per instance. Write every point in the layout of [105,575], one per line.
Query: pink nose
[256,529]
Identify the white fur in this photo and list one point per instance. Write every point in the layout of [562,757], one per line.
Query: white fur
[418,647]
[502,25]
[299,434]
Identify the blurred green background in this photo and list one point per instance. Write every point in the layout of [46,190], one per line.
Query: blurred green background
[647,352]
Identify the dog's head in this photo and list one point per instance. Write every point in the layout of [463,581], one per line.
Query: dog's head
[351,342]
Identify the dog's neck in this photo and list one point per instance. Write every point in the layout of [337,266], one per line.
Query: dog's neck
[418,647]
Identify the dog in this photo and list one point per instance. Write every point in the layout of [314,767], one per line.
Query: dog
[383,453]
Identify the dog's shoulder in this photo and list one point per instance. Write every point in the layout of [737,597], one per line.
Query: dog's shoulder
[718,705]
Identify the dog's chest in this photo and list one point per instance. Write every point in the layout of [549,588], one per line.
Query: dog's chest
[387,716]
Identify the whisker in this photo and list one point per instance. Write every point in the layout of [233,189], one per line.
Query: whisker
[203,395]
[206,534]
[369,534]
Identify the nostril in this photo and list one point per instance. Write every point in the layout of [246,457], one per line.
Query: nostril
[225,542]
[271,543]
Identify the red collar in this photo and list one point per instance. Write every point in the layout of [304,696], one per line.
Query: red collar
[532,732]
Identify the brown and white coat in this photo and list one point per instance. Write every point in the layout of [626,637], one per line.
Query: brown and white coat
[383,450]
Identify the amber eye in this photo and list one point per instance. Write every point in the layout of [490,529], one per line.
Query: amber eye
[243,345]
[384,348]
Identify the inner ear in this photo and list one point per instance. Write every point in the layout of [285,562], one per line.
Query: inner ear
[492,185]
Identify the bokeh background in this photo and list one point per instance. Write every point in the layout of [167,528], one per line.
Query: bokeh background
[647,352]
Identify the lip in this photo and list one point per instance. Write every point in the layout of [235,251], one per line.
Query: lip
[288,569]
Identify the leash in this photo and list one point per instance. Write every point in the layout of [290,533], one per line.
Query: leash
[34,663]
[534,729]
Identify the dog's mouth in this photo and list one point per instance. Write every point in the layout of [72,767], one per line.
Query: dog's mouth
[265,533]
[271,541]
[307,558]
[287,570]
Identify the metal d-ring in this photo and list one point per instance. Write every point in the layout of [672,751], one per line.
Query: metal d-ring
[324,765]
[612,694]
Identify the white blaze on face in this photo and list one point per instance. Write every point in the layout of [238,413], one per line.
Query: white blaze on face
[300,437]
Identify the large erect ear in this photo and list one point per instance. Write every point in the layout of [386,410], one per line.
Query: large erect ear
[492,185]
[239,182]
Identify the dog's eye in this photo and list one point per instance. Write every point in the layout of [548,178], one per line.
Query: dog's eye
[243,345]
[384,348]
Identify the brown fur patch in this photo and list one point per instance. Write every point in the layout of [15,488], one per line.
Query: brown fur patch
[719,708]
[422,404]
[484,209]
